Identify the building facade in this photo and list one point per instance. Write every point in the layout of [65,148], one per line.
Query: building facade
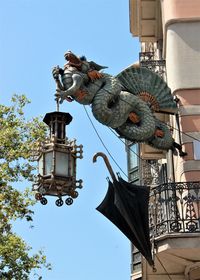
[170,45]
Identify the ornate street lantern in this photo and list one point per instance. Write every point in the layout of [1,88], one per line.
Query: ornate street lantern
[57,162]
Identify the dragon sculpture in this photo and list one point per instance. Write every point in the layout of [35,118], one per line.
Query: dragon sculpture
[127,102]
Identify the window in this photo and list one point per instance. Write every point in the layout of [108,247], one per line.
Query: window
[133,162]
[136,260]
[133,171]
[133,156]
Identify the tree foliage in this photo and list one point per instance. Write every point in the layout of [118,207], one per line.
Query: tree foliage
[19,142]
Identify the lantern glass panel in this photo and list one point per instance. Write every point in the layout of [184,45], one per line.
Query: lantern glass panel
[72,169]
[48,163]
[62,164]
[40,165]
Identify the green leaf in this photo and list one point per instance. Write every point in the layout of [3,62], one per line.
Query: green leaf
[19,143]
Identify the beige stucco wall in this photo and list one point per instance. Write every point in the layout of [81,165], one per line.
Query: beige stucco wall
[188,168]
[179,10]
[183,77]
[183,55]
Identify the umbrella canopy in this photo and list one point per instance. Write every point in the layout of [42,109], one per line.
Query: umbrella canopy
[110,211]
[126,206]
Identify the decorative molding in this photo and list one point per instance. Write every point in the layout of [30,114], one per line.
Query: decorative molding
[190,269]
[189,137]
[190,165]
[189,110]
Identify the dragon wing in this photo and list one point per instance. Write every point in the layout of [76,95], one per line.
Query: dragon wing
[150,87]
[96,66]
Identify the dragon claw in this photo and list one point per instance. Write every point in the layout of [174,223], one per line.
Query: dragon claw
[61,101]
[55,72]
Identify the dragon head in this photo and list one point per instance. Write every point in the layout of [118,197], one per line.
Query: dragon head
[81,63]
[73,60]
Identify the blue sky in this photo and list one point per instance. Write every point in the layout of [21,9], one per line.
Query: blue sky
[79,242]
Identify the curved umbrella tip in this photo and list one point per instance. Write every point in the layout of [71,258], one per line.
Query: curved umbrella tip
[100,154]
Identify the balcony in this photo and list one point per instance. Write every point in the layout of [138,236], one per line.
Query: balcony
[175,208]
[174,212]
[147,60]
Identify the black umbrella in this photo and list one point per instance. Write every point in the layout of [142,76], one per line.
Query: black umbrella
[126,206]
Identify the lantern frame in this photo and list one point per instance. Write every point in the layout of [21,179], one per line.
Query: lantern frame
[63,156]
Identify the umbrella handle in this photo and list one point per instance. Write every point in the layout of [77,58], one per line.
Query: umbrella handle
[100,154]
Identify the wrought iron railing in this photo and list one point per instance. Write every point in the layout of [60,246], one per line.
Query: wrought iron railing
[174,208]
[147,60]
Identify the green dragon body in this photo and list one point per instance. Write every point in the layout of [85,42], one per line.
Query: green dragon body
[113,99]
